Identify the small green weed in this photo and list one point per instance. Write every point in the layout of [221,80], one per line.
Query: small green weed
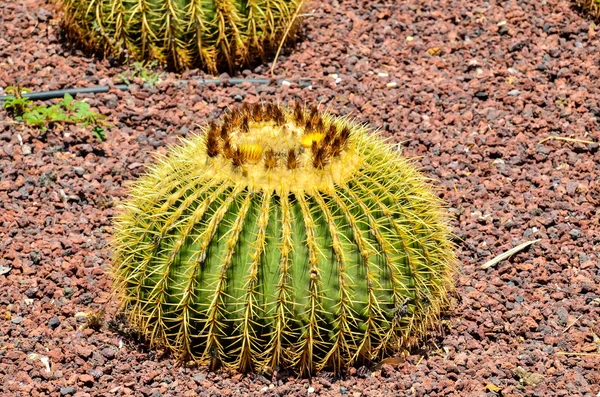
[17,105]
[143,71]
[562,102]
[66,111]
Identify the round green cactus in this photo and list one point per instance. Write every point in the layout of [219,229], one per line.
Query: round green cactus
[213,34]
[592,7]
[283,237]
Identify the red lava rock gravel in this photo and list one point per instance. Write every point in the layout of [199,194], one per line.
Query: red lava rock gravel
[469,89]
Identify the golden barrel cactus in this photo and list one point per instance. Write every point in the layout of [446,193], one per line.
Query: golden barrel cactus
[283,237]
[591,7]
[213,34]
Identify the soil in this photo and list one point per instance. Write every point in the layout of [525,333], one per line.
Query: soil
[470,89]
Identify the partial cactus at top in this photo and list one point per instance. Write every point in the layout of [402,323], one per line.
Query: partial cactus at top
[214,34]
[592,7]
[283,237]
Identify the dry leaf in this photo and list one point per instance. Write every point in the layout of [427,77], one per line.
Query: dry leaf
[492,387]
[393,361]
[433,51]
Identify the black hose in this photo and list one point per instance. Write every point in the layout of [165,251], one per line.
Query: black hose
[44,95]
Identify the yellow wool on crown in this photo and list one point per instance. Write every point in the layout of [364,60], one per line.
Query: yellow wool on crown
[283,237]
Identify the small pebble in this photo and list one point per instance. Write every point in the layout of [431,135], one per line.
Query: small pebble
[199,377]
[35,257]
[109,353]
[67,390]
[53,323]
[519,298]
[68,292]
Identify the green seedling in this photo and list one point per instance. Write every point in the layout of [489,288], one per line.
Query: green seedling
[143,71]
[17,105]
[66,111]
[592,7]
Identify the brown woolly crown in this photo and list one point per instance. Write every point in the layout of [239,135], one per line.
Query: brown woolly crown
[268,144]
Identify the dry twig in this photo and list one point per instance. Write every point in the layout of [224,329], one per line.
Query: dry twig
[287,31]
[508,254]
[563,138]
[577,354]
[570,325]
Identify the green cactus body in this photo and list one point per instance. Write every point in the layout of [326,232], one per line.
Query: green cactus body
[590,6]
[283,237]
[181,33]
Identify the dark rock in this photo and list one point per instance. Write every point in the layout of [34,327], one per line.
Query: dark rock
[503,30]
[53,323]
[86,298]
[519,45]
[519,298]
[31,292]
[47,178]
[35,257]
[68,292]
[109,352]
[363,372]
[43,15]
[482,95]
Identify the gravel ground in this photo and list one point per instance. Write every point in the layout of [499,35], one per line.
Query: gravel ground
[469,89]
